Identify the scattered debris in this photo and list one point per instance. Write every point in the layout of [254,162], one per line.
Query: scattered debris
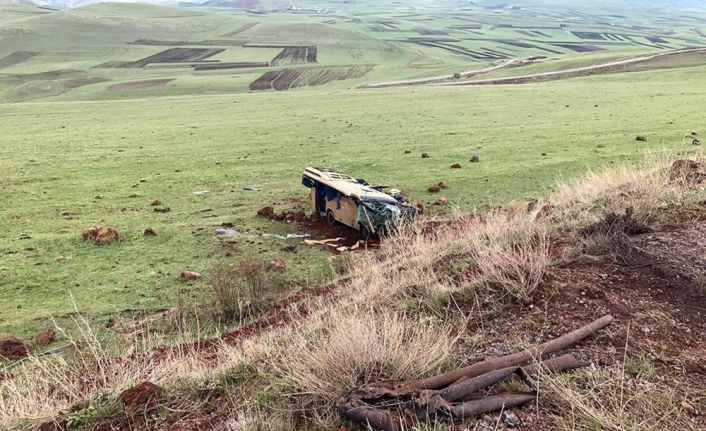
[297,235]
[689,408]
[696,142]
[156,202]
[45,337]
[162,209]
[476,159]
[544,154]
[251,189]
[433,188]
[425,155]
[420,207]
[441,201]
[190,275]
[322,242]
[100,235]
[288,236]
[642,138]
[149,232]
[408,151]
[277,264]
[442,185]
[456,166]
[335,244]
[459,394]
[142,398]
[13,349]
[226,232]
[200,192]
[510,419]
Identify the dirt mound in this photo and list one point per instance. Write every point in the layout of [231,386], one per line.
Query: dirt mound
[476,159]
[297,216]
[456,166]
[61,425]
[149,232]
[689,171]
[190,275]
[267,212]
[277,264]
[433,188]
[13,349]
[641,138]
[141,398]
[100,235]
[45,337]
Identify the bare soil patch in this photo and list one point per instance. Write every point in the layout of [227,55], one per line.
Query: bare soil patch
[241,29]
[222,66]
[80,82]
[134,85]
[295,55]
[172,55]
[292,78]
[579,47]
[13,349]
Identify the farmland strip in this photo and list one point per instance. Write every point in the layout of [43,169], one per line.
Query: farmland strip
[15,58]
[241,29]
[290,78]
[264,82]
[220,66]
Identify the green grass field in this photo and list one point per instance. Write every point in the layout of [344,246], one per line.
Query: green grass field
[74,156]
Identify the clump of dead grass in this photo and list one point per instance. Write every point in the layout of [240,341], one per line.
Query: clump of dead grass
[242,290]
[328,357]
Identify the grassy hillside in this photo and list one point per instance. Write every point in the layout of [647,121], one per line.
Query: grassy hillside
[71,165]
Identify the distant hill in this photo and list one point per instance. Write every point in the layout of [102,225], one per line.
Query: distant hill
[257,4]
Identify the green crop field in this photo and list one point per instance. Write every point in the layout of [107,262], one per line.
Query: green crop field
[103,111]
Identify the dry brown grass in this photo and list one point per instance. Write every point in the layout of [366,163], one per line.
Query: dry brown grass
[329,356]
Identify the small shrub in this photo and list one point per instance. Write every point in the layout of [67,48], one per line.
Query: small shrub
[243,290]
[511,256]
